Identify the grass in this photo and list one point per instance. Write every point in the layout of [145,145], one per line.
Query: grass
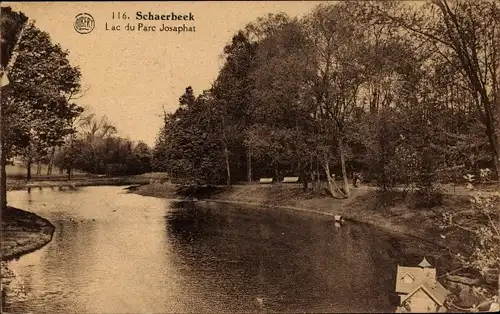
[16,183]
[23,232]
[20,172]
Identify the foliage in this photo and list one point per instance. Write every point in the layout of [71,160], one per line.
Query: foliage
[96,148]
[11,24]
[38,103]
[481,220]
[190,152]
[462,40]
[398,92]
[231,92]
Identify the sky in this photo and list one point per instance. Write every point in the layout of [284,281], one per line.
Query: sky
[129,76]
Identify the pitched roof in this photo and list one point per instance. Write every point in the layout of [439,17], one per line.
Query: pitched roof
[418,274]
[4,79]
[437,292]
[424,263]
[408,274]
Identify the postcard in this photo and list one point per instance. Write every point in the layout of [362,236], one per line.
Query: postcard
[250,156]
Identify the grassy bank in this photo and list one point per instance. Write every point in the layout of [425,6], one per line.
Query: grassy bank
[20,171]
[23,232]
[79,181]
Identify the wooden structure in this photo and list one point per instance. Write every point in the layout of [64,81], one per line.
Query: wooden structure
[4,80]
[266,180]
[290,179]
[418,289]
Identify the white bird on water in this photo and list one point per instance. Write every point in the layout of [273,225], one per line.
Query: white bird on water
[260,301]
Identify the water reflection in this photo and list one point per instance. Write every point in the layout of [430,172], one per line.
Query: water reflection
[116,252]
[279,261]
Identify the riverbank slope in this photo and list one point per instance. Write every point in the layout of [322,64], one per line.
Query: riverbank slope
[23,232]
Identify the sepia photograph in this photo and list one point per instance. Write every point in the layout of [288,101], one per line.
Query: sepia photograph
[250,156]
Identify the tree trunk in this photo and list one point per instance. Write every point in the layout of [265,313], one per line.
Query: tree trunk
[226,154]
[3,162]
[3,173]
[38,168]
[228,168]
[71,152]
[344,170]
[304,178]
[312,173]
[318,177]
[249,166]
[494,144]
[496,156]
[313,181]
[330,180]
[496,166]
[28,168]
[51,161]
[332,185]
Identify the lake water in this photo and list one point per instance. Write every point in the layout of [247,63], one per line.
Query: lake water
[115,252]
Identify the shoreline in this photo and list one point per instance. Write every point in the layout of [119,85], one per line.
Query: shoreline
[23,232]
[321,205]
[345,217]
[363,207]
[17,185]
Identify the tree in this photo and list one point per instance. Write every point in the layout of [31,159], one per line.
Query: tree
[283,130]
[465,35]
[231,93]
[95,133]
[352,86]
[11,25]
[42,83]
[142,153]
[189,149]
[95,147]
[339,73]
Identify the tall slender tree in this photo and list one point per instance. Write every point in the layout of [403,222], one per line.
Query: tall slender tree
[11,26]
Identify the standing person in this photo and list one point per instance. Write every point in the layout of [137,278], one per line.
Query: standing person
[356,179]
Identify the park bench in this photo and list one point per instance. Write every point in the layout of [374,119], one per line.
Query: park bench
[290,179]
[265,180]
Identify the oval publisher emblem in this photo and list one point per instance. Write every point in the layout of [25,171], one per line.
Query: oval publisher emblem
[84,23]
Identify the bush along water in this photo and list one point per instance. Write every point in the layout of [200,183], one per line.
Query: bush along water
[482,220]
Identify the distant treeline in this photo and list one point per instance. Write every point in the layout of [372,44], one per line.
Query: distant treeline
[405,94]
[97,149]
